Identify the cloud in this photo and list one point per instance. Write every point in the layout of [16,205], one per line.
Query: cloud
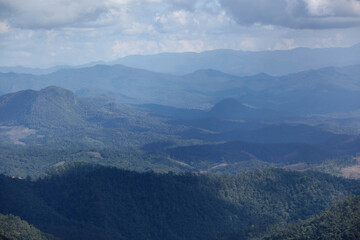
[48,14]
[4,28]
[79,31]
[286,44]
[297,14]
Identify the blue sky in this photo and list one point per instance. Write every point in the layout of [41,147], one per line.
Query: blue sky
[42,33]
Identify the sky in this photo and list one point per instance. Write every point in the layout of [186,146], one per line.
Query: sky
[43,33]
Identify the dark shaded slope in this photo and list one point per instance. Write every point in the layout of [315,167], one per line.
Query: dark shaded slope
[105,203]
[283,133]
[233,152]
[233,109]
[173,112]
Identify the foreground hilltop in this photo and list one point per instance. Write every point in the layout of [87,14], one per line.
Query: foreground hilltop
[93,202]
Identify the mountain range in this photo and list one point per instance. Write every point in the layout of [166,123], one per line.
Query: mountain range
[322,91]
[166,137]
[240,63]
[215,145]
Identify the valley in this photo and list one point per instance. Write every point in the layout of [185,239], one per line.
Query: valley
[118,152]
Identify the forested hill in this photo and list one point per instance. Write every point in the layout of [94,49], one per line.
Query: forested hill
[342,221]
[93,202]
[13,228]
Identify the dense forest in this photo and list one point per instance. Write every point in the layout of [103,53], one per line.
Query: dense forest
[339,222]
[92,202]
[13,228]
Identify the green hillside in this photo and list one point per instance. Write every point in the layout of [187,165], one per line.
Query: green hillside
[91,202]
[51,107]
[13,228]
[342,221]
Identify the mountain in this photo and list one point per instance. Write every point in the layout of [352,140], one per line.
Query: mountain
[148,150]
[55,107]
[207,156]
[56,117]
[93,202]
[208,80]
[173,112]
[235,62]
[233,109]
[230,108]
[242,63]
[50,107]
[339,222]
[173,138]
[332,89]
[325,90]
[133,85]
[28,70]
[273,133]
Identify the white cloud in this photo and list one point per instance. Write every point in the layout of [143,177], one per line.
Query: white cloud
[24,54]
[56,13]
[4,28]
[248,44]
[298,14]
[341,8]
[286,44]
[79,31]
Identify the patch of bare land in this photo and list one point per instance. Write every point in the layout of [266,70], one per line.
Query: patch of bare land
[220,165]
[16,142]
[297,167]
[59,164]
[352,171]
[95,154]
[15,133]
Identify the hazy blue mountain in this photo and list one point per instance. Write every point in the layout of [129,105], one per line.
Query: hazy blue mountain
[226,109]
[56,117]
[137,85]
[173,112]
[100,93]
[246,63]
[323,90]
[240,63]
[50,107]
[55,107]
[332,89]
[209,80]
[233,109]
[35,71]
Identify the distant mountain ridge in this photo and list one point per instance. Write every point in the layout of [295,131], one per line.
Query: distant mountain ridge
[237,62]
[333,89]
[242,63]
